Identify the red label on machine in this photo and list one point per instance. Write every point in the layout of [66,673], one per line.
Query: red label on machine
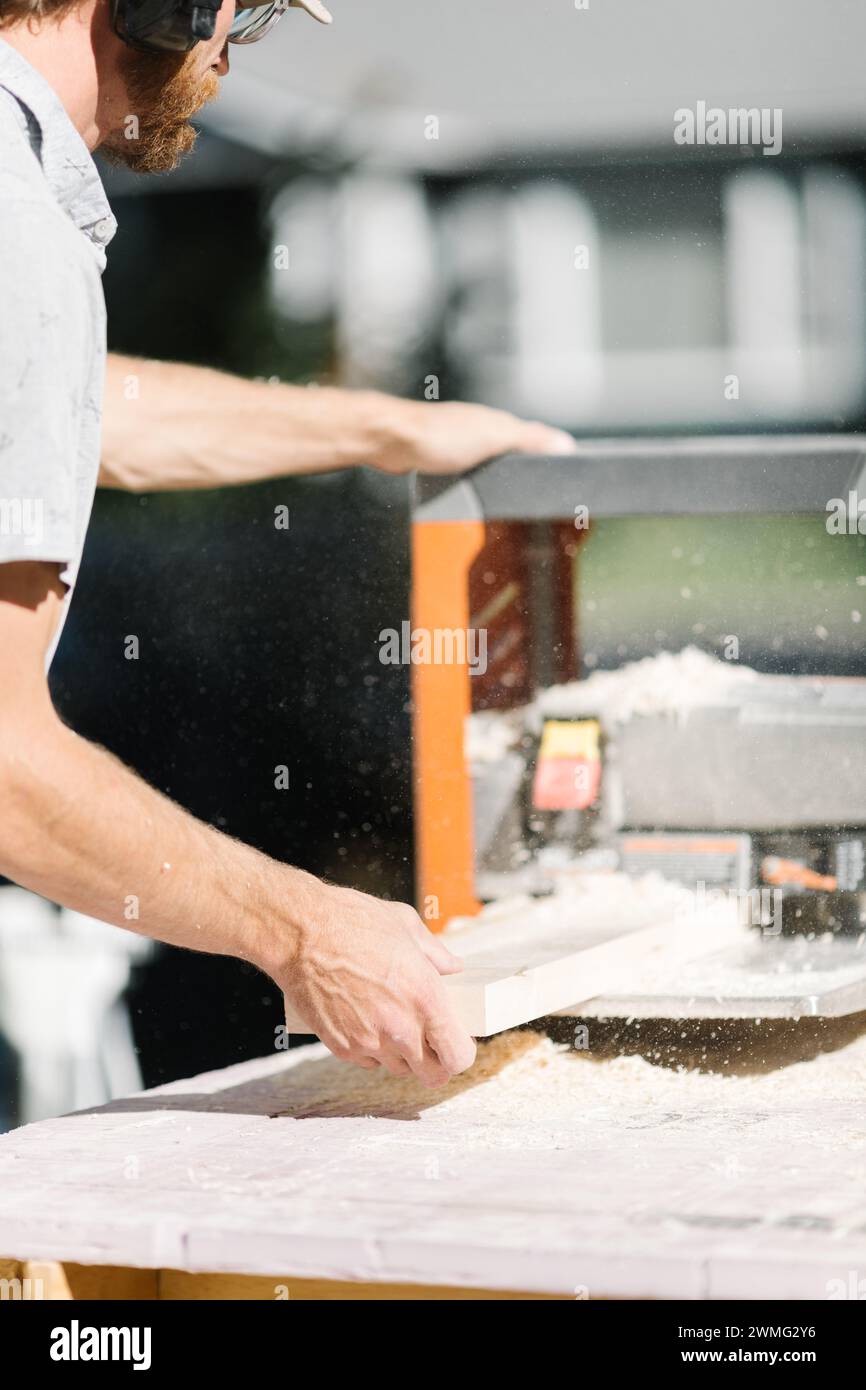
[568,772]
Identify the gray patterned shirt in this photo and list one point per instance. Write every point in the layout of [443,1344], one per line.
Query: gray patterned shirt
[55,223]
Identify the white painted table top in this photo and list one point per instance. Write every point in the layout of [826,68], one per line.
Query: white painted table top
[297,1165]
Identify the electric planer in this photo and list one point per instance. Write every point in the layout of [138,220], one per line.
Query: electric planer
[651,791]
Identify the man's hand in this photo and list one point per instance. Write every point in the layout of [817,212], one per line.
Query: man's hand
[365,977]
[451,437]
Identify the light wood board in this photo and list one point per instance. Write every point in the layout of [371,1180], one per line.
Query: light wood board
[540,957]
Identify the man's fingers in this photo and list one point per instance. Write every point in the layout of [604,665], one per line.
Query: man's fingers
[451,1044]
[433,946]
[536,438]
[394,1062]
[424,1063]
[437,953]
[344,1051]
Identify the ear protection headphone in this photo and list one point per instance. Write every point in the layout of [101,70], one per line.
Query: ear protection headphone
[172,26]
[176,26]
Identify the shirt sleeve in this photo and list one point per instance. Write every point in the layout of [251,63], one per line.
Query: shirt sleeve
[43,352]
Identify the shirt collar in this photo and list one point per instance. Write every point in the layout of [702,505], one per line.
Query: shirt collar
[66,161]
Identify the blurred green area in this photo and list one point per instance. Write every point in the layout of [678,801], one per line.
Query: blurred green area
[791,593]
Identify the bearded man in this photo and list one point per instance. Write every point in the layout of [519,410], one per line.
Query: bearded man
[126,76]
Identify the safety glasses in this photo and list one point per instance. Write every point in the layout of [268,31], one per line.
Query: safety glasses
[251,24]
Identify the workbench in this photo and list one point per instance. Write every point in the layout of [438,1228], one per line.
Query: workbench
[276,1179]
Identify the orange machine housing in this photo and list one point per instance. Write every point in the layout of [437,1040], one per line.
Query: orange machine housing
[482,576]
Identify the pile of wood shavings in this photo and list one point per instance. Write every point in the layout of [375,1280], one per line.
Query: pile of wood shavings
[522,1078]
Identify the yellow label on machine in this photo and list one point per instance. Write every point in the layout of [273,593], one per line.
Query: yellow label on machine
[574,739]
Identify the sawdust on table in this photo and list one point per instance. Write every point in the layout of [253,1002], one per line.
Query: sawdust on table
[525,1077]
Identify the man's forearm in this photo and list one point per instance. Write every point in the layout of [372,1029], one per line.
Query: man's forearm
[167,425]
[83,830]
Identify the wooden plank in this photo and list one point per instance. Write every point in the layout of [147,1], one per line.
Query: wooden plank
[505,985]
[539,958]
